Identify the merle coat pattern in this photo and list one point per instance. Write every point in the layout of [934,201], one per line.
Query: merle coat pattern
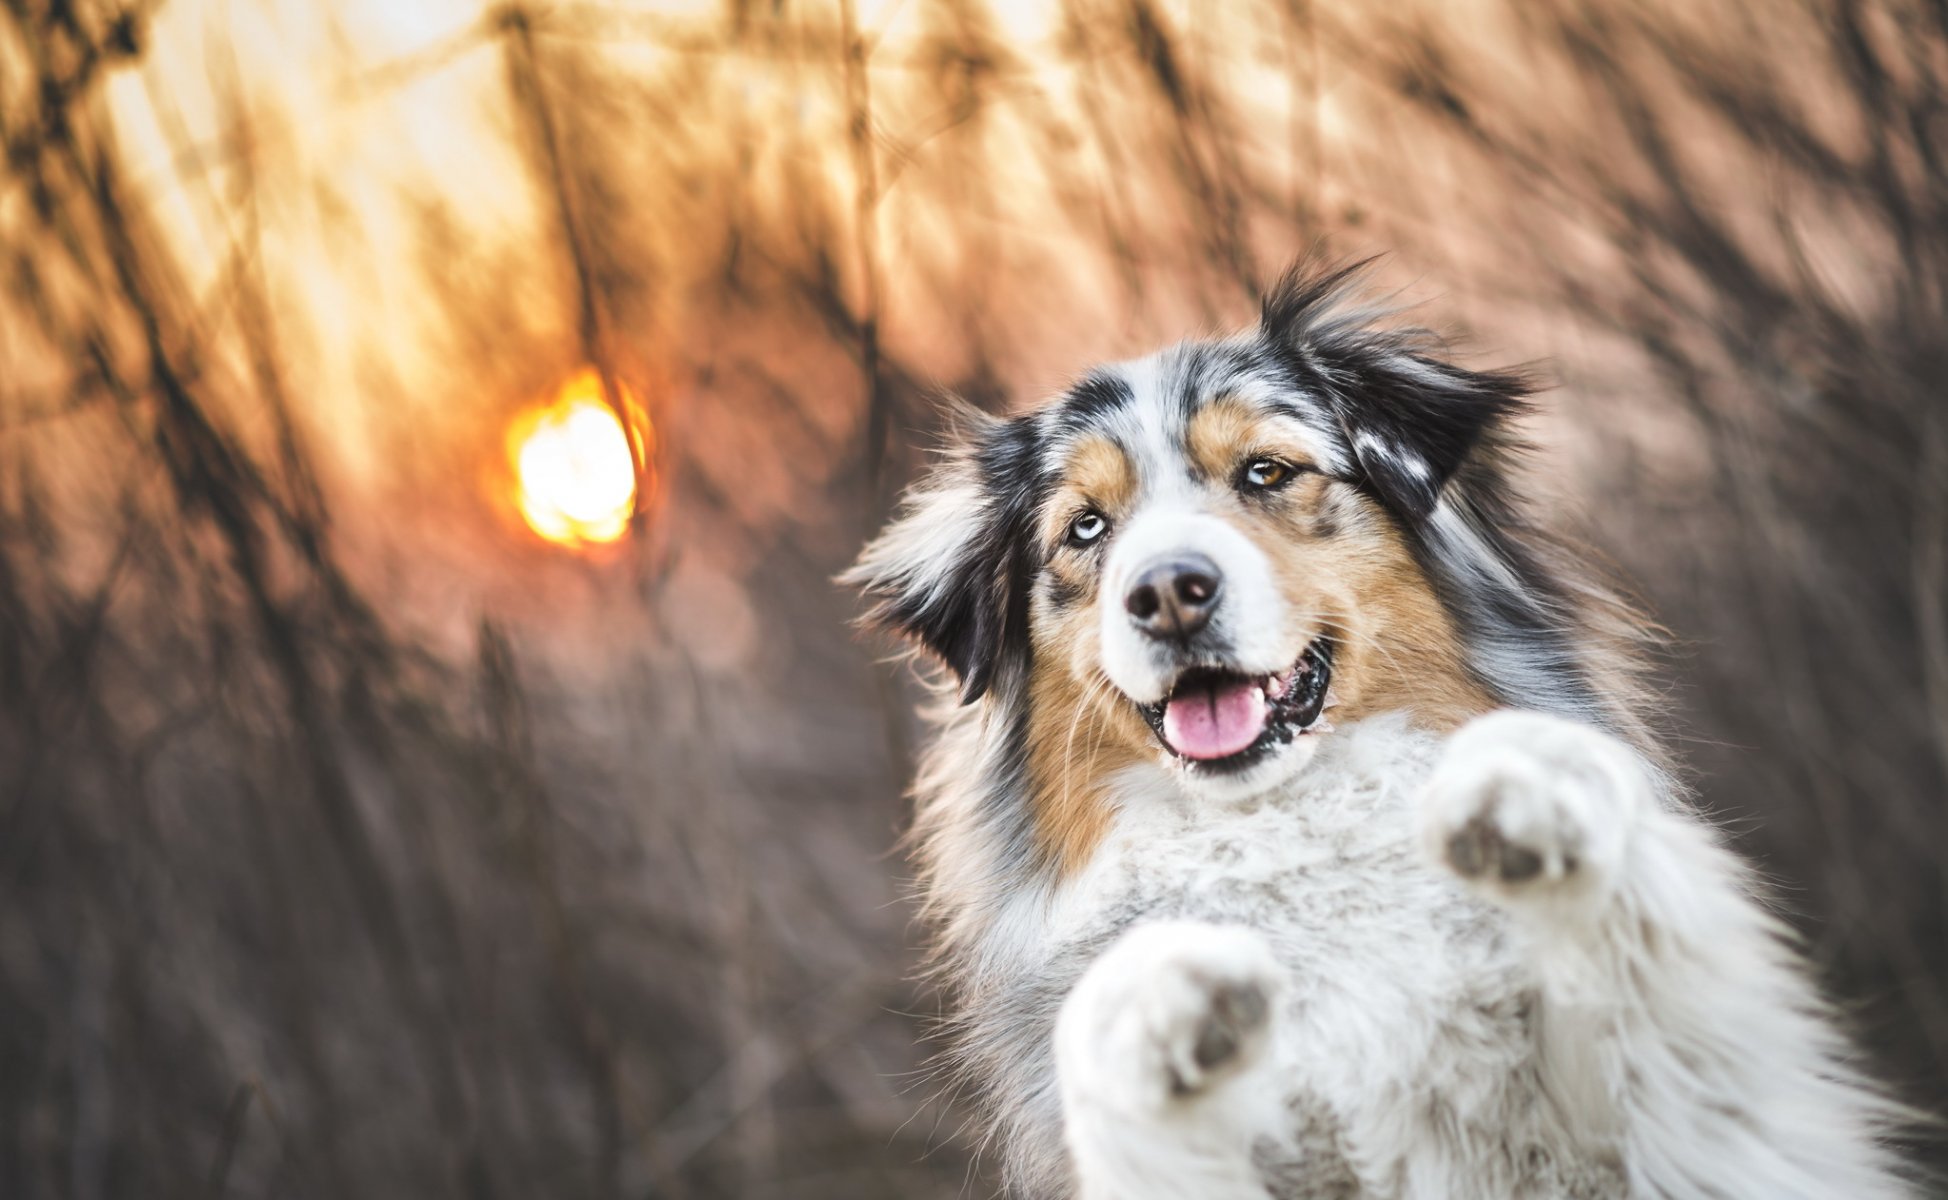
[1445,927]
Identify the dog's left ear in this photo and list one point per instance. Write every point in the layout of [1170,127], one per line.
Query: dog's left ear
[1409,417]
[1412,420]
[947,571]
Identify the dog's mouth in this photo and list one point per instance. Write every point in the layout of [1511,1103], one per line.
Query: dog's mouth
[1221,720]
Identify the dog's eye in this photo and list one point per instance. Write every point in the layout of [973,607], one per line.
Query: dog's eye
[1263,473]
[1087,528]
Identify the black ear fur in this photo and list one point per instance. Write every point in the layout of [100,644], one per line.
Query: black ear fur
[1409,417]
[951,571]
[1413,421]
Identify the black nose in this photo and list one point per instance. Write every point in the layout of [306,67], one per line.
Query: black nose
[1174,598]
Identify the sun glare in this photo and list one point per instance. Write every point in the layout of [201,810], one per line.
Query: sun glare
[575,464]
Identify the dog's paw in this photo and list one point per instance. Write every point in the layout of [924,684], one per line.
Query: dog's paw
[1527,806]
[1169,1012]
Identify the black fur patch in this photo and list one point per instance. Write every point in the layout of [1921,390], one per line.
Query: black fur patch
[1092,397]
[976,621]
[1063,593]
[1409,418]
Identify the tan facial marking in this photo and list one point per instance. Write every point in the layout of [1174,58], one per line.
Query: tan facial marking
[1227,433]
[1099,475]
[1079,735]
[1395,646]
[1219,435]
[1081,730]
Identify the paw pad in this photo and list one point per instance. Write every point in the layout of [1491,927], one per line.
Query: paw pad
[1169,1013]
[1236,1012]
[1530,808]
[1480,848]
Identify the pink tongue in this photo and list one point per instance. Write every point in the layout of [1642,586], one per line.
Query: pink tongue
[1214,722]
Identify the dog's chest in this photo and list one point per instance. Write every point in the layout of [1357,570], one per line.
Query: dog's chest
[1399,980]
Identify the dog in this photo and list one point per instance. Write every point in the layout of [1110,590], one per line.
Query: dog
[1292,825]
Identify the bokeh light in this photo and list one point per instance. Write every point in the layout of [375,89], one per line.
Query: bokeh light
[575,465]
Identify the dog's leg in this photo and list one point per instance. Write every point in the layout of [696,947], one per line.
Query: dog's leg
[1676,1027]
[1160,1051]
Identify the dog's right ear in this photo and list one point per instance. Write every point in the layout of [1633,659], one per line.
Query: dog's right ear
[948,572]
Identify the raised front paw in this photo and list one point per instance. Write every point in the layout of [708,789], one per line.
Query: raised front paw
[1168,1013]
[1525,805]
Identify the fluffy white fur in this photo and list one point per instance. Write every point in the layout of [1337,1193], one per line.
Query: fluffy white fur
[1499,967]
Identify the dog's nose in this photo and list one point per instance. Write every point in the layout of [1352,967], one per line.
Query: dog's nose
[1174,598]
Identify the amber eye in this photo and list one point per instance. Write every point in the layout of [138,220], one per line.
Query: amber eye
[1263,473]
[1087,528]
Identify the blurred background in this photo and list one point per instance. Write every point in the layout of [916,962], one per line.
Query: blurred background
[434,760]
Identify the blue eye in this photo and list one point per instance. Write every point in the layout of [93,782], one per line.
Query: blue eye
[1087,528]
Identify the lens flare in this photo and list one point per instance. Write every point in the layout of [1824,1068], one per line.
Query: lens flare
[575,464]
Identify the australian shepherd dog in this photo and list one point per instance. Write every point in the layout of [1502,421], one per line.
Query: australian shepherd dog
[1291,826]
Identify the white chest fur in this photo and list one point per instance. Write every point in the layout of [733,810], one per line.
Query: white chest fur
[1499,964]
[1386,955]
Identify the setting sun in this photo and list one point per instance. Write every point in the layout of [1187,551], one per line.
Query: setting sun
[575,465]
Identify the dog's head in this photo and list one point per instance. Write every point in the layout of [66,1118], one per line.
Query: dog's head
[1205,556]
